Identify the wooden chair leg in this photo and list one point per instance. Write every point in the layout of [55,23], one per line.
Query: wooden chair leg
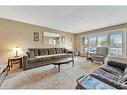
[103,62]
[58,68]
[8,65]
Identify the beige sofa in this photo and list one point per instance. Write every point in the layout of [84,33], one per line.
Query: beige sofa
[37,57]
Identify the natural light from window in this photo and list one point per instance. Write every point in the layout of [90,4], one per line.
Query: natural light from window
[114,40]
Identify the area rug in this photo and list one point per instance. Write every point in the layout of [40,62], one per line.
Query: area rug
[48,77]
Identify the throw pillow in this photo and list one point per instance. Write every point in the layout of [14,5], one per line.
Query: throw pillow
[30,54]
[124,78]
[125,71]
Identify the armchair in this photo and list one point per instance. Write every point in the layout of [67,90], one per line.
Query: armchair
[100,55]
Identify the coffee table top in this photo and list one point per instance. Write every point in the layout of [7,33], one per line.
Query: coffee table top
[90,82]
[62,61]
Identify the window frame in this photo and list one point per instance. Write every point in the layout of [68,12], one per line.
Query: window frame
[108,34]
[123,44]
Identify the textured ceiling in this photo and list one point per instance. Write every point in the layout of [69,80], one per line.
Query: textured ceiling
[72,19]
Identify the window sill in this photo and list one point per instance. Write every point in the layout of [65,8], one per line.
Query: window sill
[111,56]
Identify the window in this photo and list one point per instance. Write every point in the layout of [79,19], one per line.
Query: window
[116,44]
[92,44]
[102,41]
[114,40]
[85,44]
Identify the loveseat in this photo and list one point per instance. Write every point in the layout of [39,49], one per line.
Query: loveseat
[112,73]
[37,57]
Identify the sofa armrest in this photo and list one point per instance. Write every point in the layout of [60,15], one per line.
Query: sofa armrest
[25,62]
[97,55]
[122,66]
[67,51]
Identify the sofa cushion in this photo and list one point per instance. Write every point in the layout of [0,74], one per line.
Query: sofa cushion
[112,74]
[117,64]
[109,81]
[108,78]
[52,51]
[56,56]
[106,75]
[38,60]
[43,52]
[57,50]
[35,51]
[123,79]
[98,56]
[46,52]
[35,60]
[32,60]
[102,51]
[125,71]
[112,70]
[41,59]
[62,50]
[124,85]
[45,57]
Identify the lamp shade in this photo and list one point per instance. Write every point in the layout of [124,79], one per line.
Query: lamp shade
[16,50]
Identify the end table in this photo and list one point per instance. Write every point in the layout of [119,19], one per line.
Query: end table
[14,60]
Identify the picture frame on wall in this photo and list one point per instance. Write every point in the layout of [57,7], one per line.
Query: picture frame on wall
[36,36]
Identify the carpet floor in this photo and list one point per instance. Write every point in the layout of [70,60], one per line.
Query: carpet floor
[48,77]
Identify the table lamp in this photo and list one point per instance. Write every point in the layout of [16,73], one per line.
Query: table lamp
[16,51]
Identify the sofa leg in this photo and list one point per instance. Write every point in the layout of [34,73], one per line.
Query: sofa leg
[58,68]
[73,64]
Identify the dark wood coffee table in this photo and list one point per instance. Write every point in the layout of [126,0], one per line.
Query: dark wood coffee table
[63,61]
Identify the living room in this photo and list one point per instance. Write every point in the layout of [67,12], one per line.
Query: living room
[52,47]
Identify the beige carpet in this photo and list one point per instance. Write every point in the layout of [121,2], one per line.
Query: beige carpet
[47,77]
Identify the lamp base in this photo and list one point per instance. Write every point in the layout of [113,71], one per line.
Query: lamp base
[16,56]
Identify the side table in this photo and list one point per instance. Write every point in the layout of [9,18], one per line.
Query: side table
[14,60]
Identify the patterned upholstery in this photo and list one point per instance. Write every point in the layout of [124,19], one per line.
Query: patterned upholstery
[112,73]
[102,51]
[43,52]
[52,51]
[35,51]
